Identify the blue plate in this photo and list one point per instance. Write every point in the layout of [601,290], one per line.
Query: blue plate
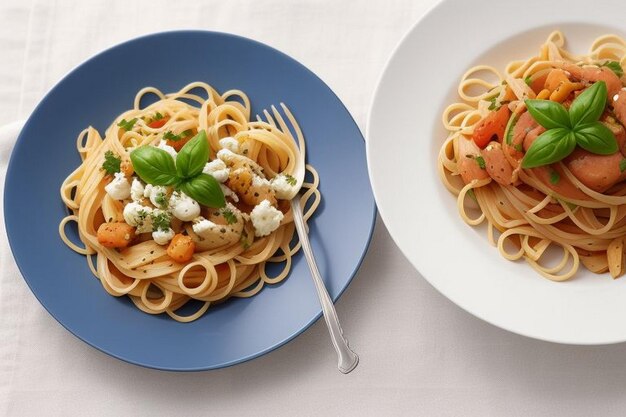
[103,87]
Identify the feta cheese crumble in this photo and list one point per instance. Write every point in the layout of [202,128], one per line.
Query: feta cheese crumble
[184,207]
[283,187]
[157,195]
[203,227]
[162,237]
[139,216]
[118,188]
[136,190]
[265,218]
[230,158]
[258,181]
[217,169]
[230,143]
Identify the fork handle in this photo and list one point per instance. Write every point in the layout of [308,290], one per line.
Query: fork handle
[348,360]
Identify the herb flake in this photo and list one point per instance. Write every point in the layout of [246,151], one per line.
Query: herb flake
[160,221]
[175,138]
[161,200]
[291,180]
[112,163]
[229,216]
[127,125]
[554,177]
[493,105]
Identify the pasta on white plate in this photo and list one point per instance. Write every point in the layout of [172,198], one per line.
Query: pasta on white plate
[538,154]
[188,198]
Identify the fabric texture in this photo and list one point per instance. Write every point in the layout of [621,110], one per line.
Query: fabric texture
[420,354]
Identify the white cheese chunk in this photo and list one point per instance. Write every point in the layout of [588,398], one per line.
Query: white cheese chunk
[217,169]
[258,181]
[139,216]
[203,227]
[162,237]
[282,187]
[184,207]
[136,190]
[119,187]
[230,143]
[265,218]
[157,195]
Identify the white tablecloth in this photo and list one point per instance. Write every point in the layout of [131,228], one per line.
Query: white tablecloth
[420,354]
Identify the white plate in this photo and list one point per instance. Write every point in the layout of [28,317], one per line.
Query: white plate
[404,134]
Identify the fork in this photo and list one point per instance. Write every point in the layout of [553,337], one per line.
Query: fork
[347,358]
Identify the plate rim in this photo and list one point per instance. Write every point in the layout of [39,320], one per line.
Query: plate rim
[19,142]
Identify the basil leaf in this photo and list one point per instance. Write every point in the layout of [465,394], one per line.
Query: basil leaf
[551,146]
[597,138]
[205,190]
[548,114]
[193,156]
[154,165]
[589,105]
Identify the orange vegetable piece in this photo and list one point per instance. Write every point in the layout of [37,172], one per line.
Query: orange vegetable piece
[115,235]
[181,248]
[492,125]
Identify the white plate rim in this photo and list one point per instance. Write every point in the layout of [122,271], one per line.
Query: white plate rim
[592,330]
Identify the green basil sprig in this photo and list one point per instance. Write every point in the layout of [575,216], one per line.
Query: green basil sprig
[566,129]
[155,166]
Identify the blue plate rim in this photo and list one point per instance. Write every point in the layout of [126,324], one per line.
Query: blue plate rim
[19,142]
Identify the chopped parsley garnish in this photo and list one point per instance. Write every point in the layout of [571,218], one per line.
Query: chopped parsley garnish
[127,125]
[291,180]
[111,163]
[528,81]
[554,177]
[160,221]
[493,105]
[142,214]
[622,165]
[480,161]
[175,138]
[158,116]
[615,67]
[229,216]
[161,200]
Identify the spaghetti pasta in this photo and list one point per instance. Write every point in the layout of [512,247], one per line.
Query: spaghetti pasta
[577,204]
[259,166]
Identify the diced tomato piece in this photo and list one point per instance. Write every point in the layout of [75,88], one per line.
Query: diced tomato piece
[155,124]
